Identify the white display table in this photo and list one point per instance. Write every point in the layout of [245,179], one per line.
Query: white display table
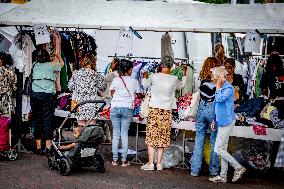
[238,131]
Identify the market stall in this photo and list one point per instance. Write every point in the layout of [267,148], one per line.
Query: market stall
[153,16]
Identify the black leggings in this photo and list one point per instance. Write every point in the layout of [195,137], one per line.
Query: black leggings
[42,111]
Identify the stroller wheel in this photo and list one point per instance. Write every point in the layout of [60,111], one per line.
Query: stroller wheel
[64,167]
[12,155]
[99,162]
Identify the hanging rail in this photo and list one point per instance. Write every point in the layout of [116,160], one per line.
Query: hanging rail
[155,58]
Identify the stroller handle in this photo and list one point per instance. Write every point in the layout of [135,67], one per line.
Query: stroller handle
[92,102]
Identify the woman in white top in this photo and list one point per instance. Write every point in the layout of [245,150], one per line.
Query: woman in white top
[123,90]
[159,122]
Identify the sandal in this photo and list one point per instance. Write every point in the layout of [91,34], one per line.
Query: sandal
[125,163]
[114,162]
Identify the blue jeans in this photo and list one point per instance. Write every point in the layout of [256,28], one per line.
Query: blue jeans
[121,119]
[204,120]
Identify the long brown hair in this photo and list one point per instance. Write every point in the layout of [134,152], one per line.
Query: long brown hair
[205,73]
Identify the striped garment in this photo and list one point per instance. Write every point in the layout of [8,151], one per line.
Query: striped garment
[207,90]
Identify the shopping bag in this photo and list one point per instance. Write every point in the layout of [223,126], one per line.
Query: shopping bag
[191,111]
[144,111]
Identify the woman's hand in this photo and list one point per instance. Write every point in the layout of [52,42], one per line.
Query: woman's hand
[213,126]
[220,81]
[145,75]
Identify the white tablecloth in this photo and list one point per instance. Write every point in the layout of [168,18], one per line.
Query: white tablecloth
[238,131]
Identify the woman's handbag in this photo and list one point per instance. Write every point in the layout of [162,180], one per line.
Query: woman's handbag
[144,111]
[73,104]
[28,83]
[191,111]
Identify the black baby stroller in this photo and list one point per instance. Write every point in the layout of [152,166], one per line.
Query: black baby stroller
[85,153]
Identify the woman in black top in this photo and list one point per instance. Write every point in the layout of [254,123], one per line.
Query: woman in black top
[273,78]
[235,79]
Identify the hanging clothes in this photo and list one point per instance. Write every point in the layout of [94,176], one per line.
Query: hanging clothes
[19,57]
[166,46]
[28,48]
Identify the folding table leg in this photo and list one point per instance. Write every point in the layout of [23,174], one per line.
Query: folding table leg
[183,164]
[136,159]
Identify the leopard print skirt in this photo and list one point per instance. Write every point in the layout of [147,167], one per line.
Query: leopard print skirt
[158,129]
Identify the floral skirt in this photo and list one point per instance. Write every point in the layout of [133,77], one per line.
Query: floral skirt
[158,129]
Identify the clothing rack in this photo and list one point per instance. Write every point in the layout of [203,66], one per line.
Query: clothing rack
[155,58]
[265,56]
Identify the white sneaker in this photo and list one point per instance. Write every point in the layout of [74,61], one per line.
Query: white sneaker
[238,174]
[148,167]
[159,167]
[218,179]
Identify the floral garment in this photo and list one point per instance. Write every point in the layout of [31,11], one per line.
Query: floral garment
[158,128]
[86,83]
[8,85]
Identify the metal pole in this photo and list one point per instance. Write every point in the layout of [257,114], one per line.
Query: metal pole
[18,118]
[136,160]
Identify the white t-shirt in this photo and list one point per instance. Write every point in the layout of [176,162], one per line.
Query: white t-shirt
[163,87]
[121,97]
[109,78]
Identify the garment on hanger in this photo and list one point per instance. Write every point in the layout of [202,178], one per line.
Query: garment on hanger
[166,46]
[19,57]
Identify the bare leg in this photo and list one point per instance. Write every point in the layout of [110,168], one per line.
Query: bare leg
[82,123]
[92,122]
[151,153]
[38,143]
[48,144]
[160,154]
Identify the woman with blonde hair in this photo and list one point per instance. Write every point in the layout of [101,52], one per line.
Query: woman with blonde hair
[224,122]
[204,119]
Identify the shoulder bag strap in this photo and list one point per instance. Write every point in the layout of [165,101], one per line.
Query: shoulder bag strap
[125,85]
[33,71]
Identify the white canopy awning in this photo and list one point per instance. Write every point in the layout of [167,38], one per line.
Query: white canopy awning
[8,32]
[154,15]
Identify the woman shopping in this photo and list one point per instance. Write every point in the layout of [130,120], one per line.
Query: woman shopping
[123,90]
[85,84]
[8,84]
[159,122]
[42,97]
[224,122]
[235,79]
[204,120]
